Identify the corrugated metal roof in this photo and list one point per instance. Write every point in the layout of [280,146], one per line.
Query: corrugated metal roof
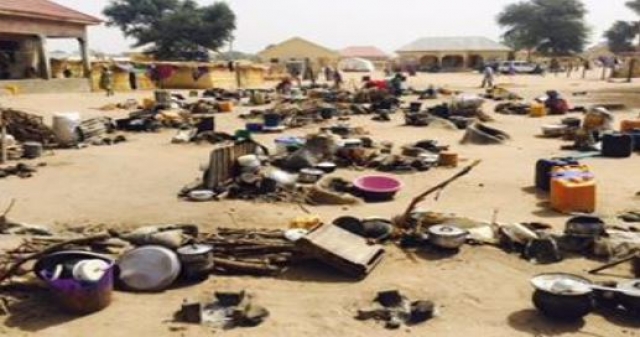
[45,9]
[470,43]
[363,52]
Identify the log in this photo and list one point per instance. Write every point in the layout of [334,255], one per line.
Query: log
[15,267]
[239,267]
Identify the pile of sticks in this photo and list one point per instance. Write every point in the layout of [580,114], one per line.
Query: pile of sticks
[25,127]
[250,251]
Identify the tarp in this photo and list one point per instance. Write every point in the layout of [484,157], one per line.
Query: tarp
[356,64]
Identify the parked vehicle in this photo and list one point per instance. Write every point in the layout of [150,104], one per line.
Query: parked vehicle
[520,67]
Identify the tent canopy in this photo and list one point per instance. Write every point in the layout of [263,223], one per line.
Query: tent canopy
[356,64]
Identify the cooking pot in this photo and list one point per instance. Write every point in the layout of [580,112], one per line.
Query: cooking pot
[630,296]
[447,237]
[562,296]
[197,261]
[310,176]
[585,226]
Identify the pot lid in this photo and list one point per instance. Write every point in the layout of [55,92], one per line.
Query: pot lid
[631,288]
[195,249]
[562,284]
[312,172]
[149,268]
[446,230]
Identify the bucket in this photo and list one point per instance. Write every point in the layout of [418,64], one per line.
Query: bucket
[207,124]
[73,295]
[64,127]
[32,150]
[272,120]
[254,127]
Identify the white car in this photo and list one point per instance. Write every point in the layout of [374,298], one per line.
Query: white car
[520,67]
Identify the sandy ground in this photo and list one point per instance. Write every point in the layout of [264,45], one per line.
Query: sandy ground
[480,292]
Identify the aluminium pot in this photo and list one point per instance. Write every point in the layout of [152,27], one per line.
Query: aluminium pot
[630,297]
[585,226]
[197,261]
[562,296]
[447,237]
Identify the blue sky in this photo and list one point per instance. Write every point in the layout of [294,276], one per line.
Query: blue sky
[341,23]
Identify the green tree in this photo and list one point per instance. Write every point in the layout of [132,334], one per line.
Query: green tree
[550,27]
[175,29]
[621,35]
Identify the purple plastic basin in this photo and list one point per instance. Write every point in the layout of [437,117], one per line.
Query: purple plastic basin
[377,187]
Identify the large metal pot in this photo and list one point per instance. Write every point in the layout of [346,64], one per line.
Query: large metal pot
[447,237]
[630,296]
[562,296]
[197,261]
[585,226]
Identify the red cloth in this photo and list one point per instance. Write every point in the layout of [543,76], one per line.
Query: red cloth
[378,84]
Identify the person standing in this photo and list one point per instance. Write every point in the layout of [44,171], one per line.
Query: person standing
[106,80]
[488,76]
[328,74]
[308,72]
[337,79]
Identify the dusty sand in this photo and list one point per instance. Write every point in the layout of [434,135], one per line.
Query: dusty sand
[480,292]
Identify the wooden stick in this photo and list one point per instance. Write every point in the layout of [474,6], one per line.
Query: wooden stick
[3,139]
[434,189]
[250,268]
[613,264]
[11,271]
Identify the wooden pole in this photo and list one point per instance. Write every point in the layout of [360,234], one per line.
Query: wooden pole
[3,139]
[632,65]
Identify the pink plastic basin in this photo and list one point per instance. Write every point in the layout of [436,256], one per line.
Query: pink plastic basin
[378,187]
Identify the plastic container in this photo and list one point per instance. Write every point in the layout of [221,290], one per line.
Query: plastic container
[254,127]
[272,120]
[544,168]
[377,188]
[635,134]
[538,110]
[573,189]
[628,125]
[225,106]
[77,296]
[65,126]
[448,159]
[616,145]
